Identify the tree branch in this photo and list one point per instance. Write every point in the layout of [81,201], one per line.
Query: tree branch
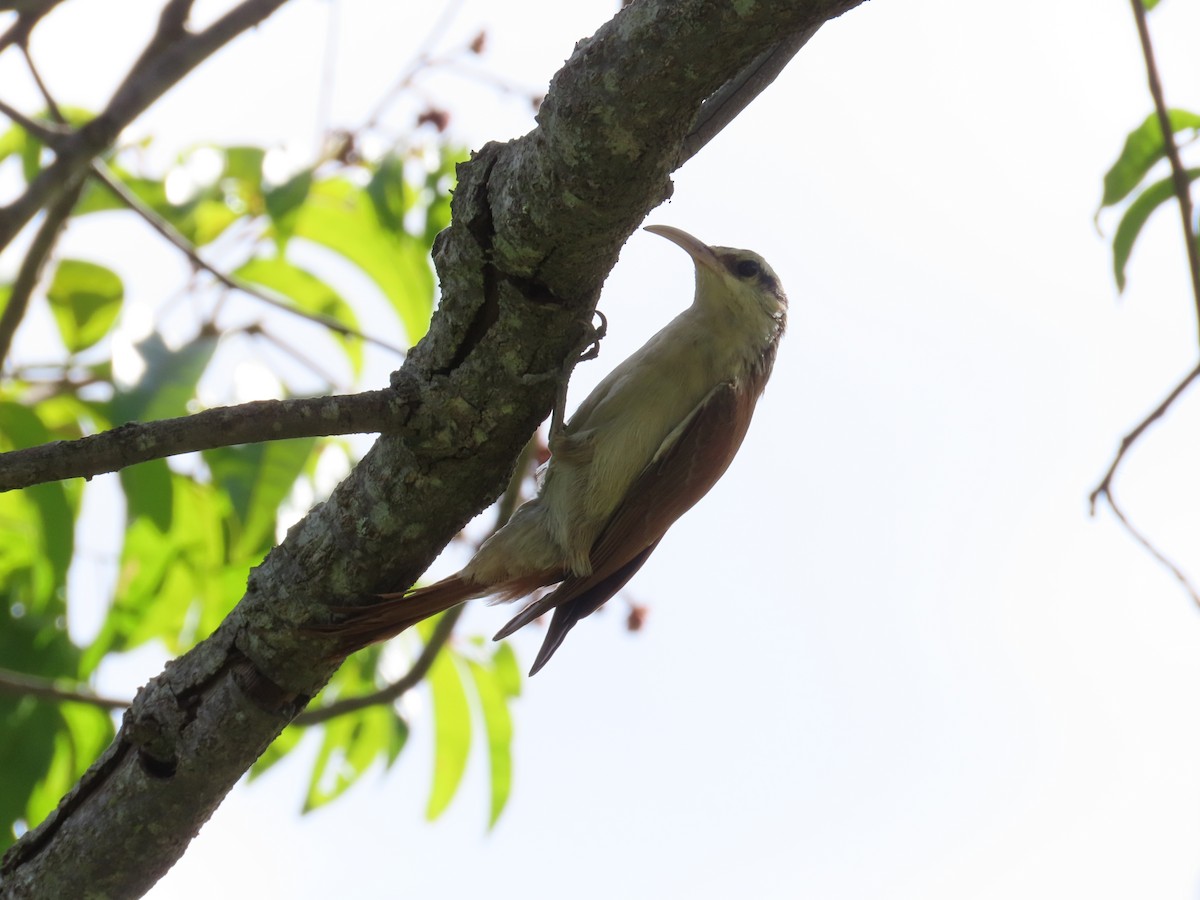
[1178,173]
[1105,485]
[536,225]
[19,684]
[261,420]
[151,77]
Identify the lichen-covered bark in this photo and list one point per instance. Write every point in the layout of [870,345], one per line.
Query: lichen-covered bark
[537,224]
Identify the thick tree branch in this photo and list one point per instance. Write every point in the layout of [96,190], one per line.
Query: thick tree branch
[152,76]
[537,223]
[223,426]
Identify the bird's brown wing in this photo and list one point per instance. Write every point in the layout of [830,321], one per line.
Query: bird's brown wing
[681,473]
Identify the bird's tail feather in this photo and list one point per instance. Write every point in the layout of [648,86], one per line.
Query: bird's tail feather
[359,626]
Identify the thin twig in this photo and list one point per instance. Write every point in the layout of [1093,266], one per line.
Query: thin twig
[1178,173]
[20,684]
[260,420]
[32,265]
[442,631]
[43,131]
[1105,485]
[1151,549]
[168,231]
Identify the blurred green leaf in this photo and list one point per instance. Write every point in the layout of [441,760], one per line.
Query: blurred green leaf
[257,478]
[340,216]
[310,294]
[148,493]
[493,702]
[50,533]
[1135,217]
[1143,148]
[283,203]
[82,734]
[173,583]
[27,736]
[168,382]
[1149,4]
[452,732]
[388,193]
[85,299]
[243,177]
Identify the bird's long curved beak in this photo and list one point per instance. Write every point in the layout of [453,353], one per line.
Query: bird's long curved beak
[696,249]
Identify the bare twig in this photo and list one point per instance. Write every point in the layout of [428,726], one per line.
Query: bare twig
[19,684]
[168,231]
[1105,485]
[43,131]
[1151,549]
[32,265]
[1178,172]
[260,420]
[390,694]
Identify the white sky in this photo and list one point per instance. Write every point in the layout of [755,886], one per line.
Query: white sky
[890,654]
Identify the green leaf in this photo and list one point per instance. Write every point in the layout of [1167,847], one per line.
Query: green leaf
[388,193]
[27,736]
[85,299]
[352,742]
[1149,4]
[148,493]
[1143,148]
[493,702]
[168,382]
[83,733]
[1135,217]
[452,732]
[171,584]
[243,177]
[49,526]
[310,294]
[257,478]
[283,203]
[340,216]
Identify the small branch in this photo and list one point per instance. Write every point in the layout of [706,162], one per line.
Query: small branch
[260,420]
[1178,173]
[1104,488]
[29,14]
[1151,549]
[32,265]
[390,694]
[43,131]
[19,684]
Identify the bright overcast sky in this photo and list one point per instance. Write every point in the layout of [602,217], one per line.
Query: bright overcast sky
[890,654]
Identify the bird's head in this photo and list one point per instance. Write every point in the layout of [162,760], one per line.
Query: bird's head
[739,279]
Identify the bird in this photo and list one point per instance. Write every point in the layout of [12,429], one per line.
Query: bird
[646,444]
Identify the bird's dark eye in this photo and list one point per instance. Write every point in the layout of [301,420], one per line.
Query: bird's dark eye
[748,268]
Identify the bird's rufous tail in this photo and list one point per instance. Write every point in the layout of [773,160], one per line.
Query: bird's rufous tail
[359,626]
